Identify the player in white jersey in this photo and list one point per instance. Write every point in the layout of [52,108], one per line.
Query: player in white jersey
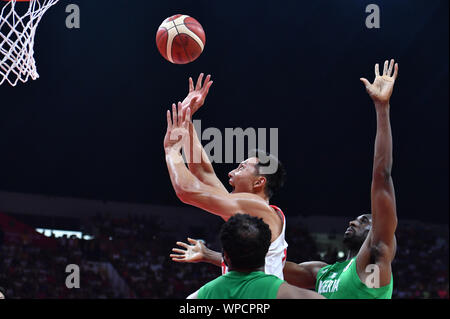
[277,251]
[198,252]
[252,181]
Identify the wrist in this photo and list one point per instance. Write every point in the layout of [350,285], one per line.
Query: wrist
[211,256]
[172,150]
[207,255]
[185,102]
[382,105]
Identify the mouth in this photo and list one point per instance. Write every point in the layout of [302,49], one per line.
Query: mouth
[349,230]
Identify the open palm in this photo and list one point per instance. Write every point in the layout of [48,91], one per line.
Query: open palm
[197,95]
[381,89]
[192,254]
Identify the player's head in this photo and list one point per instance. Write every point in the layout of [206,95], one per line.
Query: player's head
[357,231]
[258,174]
[245,241]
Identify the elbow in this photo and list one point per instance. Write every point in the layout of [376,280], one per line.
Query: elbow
[394,223]
[382,168]
[184,193]
[382,174]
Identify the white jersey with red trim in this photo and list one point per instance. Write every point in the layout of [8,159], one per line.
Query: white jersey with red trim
[276,256]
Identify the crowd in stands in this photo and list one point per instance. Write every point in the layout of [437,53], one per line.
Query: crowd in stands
[421,263]
[29,271]
[138,248]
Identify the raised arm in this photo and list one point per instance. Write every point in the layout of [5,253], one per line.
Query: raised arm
[197,159]
[199,163]
[192,191]
[380,243]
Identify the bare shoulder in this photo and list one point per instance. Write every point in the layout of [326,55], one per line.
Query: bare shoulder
[248,197]
[256,206]
[253,204]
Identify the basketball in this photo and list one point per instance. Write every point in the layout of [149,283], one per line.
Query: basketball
[180,39]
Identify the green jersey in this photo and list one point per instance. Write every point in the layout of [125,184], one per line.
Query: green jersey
[341,281]
[239,285]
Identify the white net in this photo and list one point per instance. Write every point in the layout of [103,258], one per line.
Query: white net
[18,24]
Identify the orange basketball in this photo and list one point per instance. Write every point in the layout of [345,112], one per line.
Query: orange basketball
[180,39]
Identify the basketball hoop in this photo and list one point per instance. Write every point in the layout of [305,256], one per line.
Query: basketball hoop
[18,24]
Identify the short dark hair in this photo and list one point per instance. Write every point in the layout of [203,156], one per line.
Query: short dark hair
[246,240]
[275,180]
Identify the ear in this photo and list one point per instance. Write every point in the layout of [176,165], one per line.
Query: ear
[261,181]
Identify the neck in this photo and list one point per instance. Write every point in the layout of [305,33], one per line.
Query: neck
[351,253]
[353,247]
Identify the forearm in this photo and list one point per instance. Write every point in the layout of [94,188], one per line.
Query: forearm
[382,164]
[296,275]
[212,257]
[198,161]
[190,190]
[384,216]
[180,176]
[302,275]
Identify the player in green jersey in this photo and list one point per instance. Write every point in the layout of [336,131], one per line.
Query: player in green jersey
[370,238]
[245,241]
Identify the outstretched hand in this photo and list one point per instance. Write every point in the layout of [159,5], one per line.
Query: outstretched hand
[196,96]
[381,89]
[193,253]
